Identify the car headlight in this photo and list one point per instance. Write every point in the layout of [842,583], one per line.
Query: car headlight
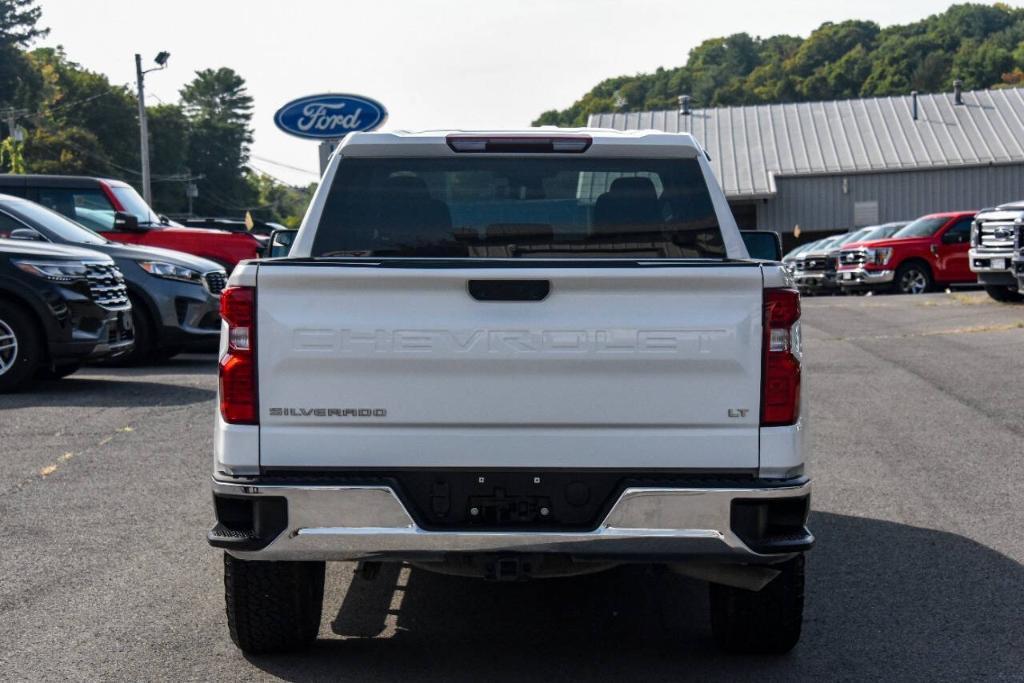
[170,271]
[58,271]
[879,256]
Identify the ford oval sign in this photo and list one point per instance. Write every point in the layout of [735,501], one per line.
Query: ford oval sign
[330,116]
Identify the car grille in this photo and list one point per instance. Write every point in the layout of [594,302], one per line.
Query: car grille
[853,258]
[814,263]
[832,263]
[996,235]
[216,281]
[106,283]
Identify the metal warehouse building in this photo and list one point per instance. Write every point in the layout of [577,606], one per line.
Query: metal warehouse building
[828,166]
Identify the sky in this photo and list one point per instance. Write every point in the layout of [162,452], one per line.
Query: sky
[467,64]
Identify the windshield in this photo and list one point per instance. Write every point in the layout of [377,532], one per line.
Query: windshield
[135,205]
[825,244]
[520,207]
[799,250]
[922,227]
[55,226]
[881,233]
[853,237]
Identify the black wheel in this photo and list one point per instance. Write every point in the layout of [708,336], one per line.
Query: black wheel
[273,606]
[913,277]
[1004,294]
[767,621]
[145,335]
[21,348]
[58,371]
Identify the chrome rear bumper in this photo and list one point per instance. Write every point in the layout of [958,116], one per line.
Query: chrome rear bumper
[371,523]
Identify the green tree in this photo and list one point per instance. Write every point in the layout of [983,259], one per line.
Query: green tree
[19,23]
[982,44]
[219,110]
[74,97]
[12,155]
[219,95]
[168,152]
[976,62]
[64,151]
[20,84]
[280,203]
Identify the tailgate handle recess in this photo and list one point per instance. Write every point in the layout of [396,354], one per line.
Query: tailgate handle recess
[509,290]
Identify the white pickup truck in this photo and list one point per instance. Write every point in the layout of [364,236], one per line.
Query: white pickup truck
[512,355]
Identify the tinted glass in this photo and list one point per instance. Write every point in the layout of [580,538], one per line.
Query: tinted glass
[853,236]
[55,226]
[824,245]
[553,207]
[959,233]
[762,244]
[135,205]
[880,233]
[8,225]
[803,248]
[922,227]
[91,208]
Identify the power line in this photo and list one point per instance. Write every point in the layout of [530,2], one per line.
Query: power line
[283,165]
[269,175]
[44,111]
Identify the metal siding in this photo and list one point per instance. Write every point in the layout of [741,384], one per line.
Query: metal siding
[750,145]
[817,203]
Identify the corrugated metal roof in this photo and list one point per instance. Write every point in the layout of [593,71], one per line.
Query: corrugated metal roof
[751,145]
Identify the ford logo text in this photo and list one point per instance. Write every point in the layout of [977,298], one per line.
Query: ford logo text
[330,116]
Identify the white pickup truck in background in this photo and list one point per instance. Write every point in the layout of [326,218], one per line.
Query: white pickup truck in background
[992,250]
[513,355]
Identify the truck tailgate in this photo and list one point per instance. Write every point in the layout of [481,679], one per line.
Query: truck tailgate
[379,367]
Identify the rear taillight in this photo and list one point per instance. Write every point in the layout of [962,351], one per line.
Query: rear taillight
[238,365]
[780,392]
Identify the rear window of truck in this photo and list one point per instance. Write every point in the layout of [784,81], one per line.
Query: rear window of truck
[523,207]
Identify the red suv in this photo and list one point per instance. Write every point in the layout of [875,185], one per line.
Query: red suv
[114,209]
[929,251]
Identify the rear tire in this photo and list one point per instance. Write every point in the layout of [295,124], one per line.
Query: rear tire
[1004,294]
[273,606]
[767,621]
[21,348]
[913,277]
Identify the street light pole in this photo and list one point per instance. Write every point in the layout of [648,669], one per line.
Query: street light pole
[147,191]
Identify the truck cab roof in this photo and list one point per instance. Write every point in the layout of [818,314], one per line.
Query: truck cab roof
[592,141]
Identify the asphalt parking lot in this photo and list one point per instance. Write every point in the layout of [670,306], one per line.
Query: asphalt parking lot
[915,442]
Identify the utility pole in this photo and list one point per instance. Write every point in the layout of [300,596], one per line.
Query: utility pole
[12,124]
[147,190]
[140,76]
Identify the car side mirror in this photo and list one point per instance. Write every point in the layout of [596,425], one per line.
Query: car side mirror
[279,244]
[125,221]
[764,245]
[26,234]
[954,238]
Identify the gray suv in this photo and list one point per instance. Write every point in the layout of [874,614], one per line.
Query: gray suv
[175,296]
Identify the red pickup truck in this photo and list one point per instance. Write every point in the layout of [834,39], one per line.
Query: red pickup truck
[114,209]
[929,251]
